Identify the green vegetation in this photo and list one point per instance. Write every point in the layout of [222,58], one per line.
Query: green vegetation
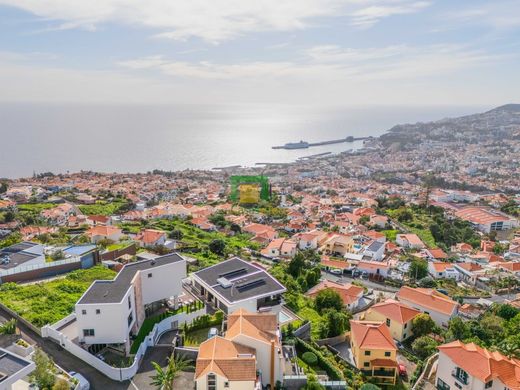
[163,378]
[8,327]
[262,181]
[48,302]
[12,239]
[150,322]
[432,227]
[330,366]
[310,358]
[195,337]
[196,242]
[44,375]
[511,208]
[391,234]
[102,207]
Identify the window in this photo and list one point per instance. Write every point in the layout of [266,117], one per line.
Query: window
[441,385]
[98,311]
[366,364]
[83,312]
[130,318]
[387,354]
[150,275]
[489,384]
[404,336]
[88,332]
[458,385]
[405,325]
[461,375]
[367,353]
[212,382]
[226,384]
[388,322]
[129,302]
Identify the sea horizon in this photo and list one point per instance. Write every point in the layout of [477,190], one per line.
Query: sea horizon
[132,138]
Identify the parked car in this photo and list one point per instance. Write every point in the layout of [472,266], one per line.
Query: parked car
[402,370]
[82,381]
[336,271]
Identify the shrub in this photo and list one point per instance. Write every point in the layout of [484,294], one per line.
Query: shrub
[332,371]
[310,358]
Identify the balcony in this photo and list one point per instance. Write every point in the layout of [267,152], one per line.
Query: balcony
[379,373]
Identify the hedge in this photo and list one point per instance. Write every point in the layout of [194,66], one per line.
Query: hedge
[332,371]
[310,358]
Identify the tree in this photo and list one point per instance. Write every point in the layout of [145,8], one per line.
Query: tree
[163,378]
[458,330]
[427,281]
[3,187]
[176,234]
[235,228]
[505,311]
[61,384]
[424,346]
[9,216]
[363,220]
[218,219]
[44,373]
[336,323]
[328,299]
[422,325]
[296,265]
[418,269]
[217,246]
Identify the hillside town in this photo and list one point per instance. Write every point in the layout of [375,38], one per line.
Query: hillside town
[393,267]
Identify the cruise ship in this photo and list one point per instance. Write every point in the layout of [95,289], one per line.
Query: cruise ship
[293,145]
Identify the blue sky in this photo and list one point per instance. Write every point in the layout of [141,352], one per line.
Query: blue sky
[313,52]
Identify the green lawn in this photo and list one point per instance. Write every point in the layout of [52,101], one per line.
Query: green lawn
[102,208]
[195,337]
[48,302]
[35,207]
[308,313]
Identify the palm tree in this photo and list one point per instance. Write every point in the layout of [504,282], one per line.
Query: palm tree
[164,378]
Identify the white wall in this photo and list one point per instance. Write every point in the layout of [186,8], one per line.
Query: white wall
[165,282]
[110,325]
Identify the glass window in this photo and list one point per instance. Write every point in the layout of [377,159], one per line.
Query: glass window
[367,353]
[388,322]
[149,275]
[387,354]
[212,382]
[83,312]
[98,311]
[129,302]
[489,384]
[88,332]
[366,364]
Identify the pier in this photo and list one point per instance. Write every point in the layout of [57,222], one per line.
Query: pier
[306,145]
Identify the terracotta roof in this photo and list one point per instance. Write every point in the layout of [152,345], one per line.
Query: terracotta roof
[383,363]
[348,292]
[226,358]
[334,263]
[396,311]
[441,267]
[149,236]
[480,215]
[428,298]
[483,364]
[438,253]
[371,335]
[103,231]
[259,326]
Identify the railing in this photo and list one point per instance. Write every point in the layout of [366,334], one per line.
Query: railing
[22,268]
[385,373]
[460,379]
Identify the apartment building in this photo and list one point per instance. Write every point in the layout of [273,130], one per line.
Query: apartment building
[111,311]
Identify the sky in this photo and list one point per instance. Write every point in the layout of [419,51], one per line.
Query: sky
[310,52]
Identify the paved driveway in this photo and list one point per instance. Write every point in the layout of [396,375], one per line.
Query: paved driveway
[153,354]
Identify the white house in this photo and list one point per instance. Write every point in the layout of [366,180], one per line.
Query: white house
[409,241]
[441,270]
[470,367]
[439,306]
[111,311]
[375,250]
[236,283]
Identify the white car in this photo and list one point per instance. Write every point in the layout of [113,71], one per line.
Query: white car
[83,382]
[336,271]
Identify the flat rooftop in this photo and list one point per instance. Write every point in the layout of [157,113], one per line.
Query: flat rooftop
[17,255]
[242,280]
[10,364]
[113,291]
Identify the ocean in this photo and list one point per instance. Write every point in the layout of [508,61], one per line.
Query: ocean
[111,138]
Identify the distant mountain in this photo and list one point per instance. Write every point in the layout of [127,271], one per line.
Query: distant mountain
[499,124]
[507,107]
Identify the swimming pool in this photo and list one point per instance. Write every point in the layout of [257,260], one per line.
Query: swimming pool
[283,317]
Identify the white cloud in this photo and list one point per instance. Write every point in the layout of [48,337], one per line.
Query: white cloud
[498,14]
[329,63]
[211,20]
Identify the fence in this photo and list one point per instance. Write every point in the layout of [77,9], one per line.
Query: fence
[115,373]
[20,319]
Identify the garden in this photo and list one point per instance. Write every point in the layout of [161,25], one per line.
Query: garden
[48,302]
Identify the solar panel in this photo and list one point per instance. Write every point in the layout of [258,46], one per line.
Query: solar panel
[249,285]
[233,273]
